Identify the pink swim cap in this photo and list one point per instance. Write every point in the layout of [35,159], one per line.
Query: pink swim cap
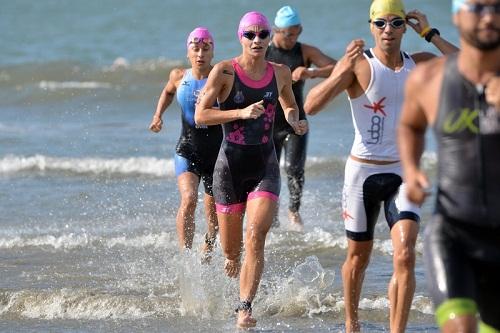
[253,18]
[200,35]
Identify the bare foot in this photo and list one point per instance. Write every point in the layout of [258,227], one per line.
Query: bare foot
[207,248]
[245,319]
[206,258]
[296,223]
[232,267]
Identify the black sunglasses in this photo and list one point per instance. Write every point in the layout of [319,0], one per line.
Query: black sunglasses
[263,34]
[482,9]
[396,23]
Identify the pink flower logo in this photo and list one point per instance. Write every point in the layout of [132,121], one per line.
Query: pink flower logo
[237,136]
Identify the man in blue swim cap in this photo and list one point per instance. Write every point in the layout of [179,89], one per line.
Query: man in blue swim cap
[285,49]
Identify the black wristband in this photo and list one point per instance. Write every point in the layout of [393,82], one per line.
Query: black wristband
[431,34]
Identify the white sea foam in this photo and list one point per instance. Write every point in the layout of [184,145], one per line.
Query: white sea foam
[145,65]
[203,291]
[310,291]
[420,303]
[77,304]
[319,238]
[148,166]
[57,85]
[70,241]
[11,128]
[66,241]
[429,159]
[161,240]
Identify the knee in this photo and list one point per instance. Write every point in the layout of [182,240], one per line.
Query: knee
[256,240]
[357,262]
[404,259]
[189,199]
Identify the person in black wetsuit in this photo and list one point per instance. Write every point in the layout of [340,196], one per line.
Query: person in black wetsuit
[285,49]
[459,96]
[246,175]
[197,147]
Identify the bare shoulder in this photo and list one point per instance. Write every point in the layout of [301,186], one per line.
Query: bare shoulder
[222,73]
[427,72]
[224,64]
[419,57]
[361,63]
[423,87]
[223,68]
[306,48]
[176,74]
[281,70]
[362,72]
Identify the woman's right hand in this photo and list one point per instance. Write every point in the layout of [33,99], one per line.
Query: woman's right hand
[156,124]
[253,111]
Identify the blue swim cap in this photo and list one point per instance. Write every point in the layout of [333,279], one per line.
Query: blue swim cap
[286,17]
[456,4]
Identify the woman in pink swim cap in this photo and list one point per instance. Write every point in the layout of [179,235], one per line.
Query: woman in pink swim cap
[197,148]
[246,175]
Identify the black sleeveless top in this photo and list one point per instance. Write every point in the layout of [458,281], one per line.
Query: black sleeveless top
[467,130]
[293,59]
[244,92]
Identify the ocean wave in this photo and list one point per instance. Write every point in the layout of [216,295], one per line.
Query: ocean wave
[429,160]
[315,240]
[76,75]
[70,241]
[10,129]
[420,303]
[319,239]
[144,65]
[66,241]
[191,289]
[54,85]
[310,291]
[81,304]
[308,302]
[335,164]
[132,166]
[86,304]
